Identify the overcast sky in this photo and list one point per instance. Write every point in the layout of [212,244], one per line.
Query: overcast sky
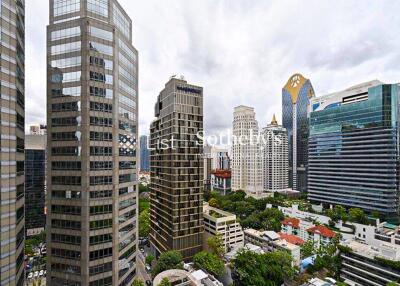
[241,52]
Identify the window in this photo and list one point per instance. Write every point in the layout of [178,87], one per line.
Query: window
[67,224]
[65,48]
[105,267]
[64,121]
[101,253]
[65,106]
[100,180]
[101,165]
[126,178]
[100,121]
[123,112]
[66,180]
[62,209]
[101,92]
[65,136]
[127,101]
[99,7]
[100,151]
[65,151]
[66,77]
[66,33]
[102,238]
[66,165]
[62,7]
[121,21]
[66,62]
[100,33]
[65,253]
[107,64]
[128,89]
[98,106]
[99,224]
[127,203]
[102,209]
[64,238]
[100,136]
[100,77]
[101,48]
[66,91]
[127,165]
[100,194]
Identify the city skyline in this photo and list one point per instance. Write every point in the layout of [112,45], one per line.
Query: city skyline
[206,53]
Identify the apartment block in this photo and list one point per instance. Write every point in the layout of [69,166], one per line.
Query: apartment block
[219,222]
[176,170]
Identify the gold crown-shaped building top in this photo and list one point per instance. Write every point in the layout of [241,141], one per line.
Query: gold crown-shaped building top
[294,85]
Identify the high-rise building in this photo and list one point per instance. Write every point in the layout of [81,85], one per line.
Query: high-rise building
[354,148]
[246,161]
[220,158]
[176,170]
[296,95]
[35,183]
[275,165]
[12,117]
[144,154]
[92,84]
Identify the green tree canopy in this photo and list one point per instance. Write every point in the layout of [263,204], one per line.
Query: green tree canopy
[144,223]
[252,269]
[168,260]
[216,244]
[164,282]
[137,282]
[149,259]
[210,262]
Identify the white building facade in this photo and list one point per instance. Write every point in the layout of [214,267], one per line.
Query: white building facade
[276,157]
[246,158]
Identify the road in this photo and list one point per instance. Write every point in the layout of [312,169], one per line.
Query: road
[141,271]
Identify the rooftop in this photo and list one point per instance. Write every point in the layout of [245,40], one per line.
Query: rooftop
[291,238]
[294,222]
[322,230]
[384,250]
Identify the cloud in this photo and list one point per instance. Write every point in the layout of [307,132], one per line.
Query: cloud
[242,51]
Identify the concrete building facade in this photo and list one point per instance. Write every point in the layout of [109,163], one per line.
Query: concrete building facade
[92,97]
[12,131]
[176,170]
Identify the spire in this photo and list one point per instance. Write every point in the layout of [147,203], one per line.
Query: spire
[274,122]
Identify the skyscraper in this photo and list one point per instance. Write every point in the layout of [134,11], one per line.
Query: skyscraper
[354,148]
[176,170]
[12,115]
[246,157]
[35,183]
[296,96]
[144,154]
[92,84]
[275,165]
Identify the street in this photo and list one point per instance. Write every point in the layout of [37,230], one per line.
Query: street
[141,271]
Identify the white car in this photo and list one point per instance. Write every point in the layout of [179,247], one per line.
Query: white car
[36,274]
[41,272]
[30,275]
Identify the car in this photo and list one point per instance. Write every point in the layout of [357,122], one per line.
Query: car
[148,269]
[142,250]
[30,275]
[36,274]
[41,272]
[45,272]
[148,282]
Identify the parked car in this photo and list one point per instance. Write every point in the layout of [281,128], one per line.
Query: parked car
[148,268]
[148,283]
[36,274]
[41,272]
[30,275]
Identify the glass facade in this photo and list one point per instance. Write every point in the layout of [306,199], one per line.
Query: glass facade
[12,141]
[354,151]
[144,154]
[295,120]
[92,156]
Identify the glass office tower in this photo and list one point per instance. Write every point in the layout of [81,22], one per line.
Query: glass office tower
[144,154]
[12,118]
[92,86]
[296,95]
[354,148]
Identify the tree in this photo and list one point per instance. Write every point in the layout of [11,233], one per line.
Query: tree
[307,249]
[165,282]
[358,215]
[213,202]
[392,284]
[267,269]
[144,204]
[144,223]
[210,262]
[216,244]
[143,188]
[168,260]
[149,259]
[137,282]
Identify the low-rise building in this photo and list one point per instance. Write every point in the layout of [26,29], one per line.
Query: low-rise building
[221,181]
[368,265]
[271,241]
[220,222]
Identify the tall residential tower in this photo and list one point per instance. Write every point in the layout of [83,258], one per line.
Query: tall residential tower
[246,161]
[275,165]
[92,89]
[176,170]
[354,148]
[296,95]
[12,118]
